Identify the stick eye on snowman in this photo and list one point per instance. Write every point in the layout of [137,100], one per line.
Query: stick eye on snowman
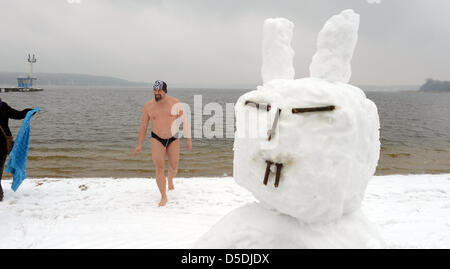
[325,92]
[271,132]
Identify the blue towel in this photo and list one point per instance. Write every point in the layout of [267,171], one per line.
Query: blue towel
[17,163]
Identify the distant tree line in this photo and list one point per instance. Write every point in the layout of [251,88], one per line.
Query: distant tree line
[436,85]
[10,79]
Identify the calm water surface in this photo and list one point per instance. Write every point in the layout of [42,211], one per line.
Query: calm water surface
[92,132]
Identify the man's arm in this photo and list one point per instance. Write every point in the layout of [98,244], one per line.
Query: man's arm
[187,129]
[16,114]
[177,109]
[142,131]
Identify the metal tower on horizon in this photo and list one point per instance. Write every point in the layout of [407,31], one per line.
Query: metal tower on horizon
[31,61]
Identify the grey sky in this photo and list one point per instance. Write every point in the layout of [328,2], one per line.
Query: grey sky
[212,43]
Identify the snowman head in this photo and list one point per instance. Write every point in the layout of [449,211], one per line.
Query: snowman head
[307,147]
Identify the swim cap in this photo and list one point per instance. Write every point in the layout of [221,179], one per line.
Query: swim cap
[159,84]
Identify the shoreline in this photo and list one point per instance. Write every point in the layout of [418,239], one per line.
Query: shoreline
[9,177]
[102,161]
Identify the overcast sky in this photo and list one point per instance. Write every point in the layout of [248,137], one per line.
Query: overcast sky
[217,43]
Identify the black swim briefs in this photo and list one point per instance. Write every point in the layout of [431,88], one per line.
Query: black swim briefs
[165,142]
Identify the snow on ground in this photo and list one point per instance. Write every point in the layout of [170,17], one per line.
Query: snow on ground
[410,211]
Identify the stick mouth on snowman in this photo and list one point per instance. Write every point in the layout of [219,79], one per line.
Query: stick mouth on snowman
[271,132]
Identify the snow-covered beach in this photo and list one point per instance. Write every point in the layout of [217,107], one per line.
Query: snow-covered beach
[302,147]
[410,211]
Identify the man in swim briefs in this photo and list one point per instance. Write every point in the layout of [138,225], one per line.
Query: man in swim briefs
[163,111]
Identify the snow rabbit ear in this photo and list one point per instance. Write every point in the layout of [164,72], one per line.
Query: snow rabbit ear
[277,53]
[335,45]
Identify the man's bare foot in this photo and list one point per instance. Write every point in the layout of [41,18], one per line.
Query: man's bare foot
[163,201]
[171,186]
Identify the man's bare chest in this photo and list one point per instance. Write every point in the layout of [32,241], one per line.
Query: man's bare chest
[162,113]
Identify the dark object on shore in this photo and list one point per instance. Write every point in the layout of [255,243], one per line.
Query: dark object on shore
[83,187]
[432,85]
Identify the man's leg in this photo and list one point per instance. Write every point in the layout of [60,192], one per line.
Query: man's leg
[158,156]
[173,153]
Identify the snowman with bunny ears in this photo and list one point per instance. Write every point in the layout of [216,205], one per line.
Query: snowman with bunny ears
[305,148]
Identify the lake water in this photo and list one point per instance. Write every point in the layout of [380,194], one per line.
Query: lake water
[92,132]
